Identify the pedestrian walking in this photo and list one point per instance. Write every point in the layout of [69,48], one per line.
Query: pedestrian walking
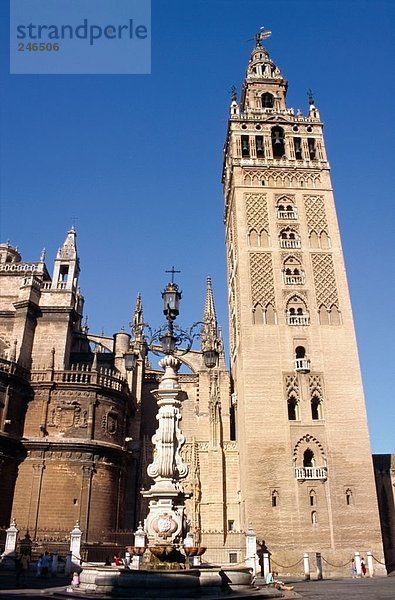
[363,567]
[353,569]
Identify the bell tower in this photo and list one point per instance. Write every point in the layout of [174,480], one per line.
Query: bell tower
[306,478]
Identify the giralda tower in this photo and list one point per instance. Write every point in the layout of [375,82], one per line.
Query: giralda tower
[306,478]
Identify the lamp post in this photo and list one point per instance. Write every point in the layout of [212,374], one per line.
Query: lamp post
[165,523]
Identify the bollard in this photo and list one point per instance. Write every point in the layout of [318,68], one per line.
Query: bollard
[370,564]
[306,566]
[11,539]
[266,563]
[68,567]
[358,563]
[75,542]
[54,564]
[319,565]
[251,560]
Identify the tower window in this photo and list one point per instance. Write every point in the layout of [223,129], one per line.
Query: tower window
[278,142]
[267,100]
[298,148]
[349,497]
[312,150]
[260,151]
[316,410]
[308,458]
[63,272]
[314,519]
[312,498]
[275,498]
[293,409]
[245,146]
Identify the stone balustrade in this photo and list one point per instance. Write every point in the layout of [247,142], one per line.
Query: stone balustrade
[284,243]
[12,368]
[288,215]
[82,375]
[302,365]
[298,319]
[303,473]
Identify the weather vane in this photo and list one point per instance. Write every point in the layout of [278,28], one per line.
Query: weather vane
[262,35]
[233,93]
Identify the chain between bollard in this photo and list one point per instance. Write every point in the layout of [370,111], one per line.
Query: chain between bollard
[336,566]
[379,561]
[286,566]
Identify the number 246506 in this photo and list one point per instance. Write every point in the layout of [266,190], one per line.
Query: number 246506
[35,47]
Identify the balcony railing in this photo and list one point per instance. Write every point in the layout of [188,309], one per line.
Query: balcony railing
[298,319]
[303,473]
[290,215]
[83,376]
[294,279]
[302,365]
[284,243]
[12,368]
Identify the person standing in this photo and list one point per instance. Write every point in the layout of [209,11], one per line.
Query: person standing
[46,559]
[363,567]
[25,564]
[353,569]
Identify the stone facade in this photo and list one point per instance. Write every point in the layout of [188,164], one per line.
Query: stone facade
[280,444]
[306,477]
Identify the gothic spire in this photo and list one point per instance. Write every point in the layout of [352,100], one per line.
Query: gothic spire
[138,321]
[69,249]
[210,338]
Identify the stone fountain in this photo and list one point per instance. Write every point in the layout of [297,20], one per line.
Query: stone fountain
[165,526]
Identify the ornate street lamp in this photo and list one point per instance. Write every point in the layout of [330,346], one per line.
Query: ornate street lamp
[165,522]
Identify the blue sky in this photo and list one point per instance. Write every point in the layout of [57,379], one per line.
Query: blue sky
[136,159]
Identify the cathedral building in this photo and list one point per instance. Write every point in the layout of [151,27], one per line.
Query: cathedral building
[280,443]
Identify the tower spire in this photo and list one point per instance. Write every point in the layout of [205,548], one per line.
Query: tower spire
[138,321]
[210,337]
[67,268]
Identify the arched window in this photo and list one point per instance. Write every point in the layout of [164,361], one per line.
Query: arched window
[314,519]
[292,272]
[245,146]
[297,313]
[278,142]
[300,352]
[264,315]
[293,408]
[270,315]
[324,315]
[335,318]
[286,209]
[267,100]
[349,497]
[258,315]
[314,240]
[289,238]
[308,458]
[312,498]
[258,238]
[324,240]
[298,148]
[316,408]
[275,498]
[253,238]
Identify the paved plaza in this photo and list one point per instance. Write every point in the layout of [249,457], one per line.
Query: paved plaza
[381,588]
